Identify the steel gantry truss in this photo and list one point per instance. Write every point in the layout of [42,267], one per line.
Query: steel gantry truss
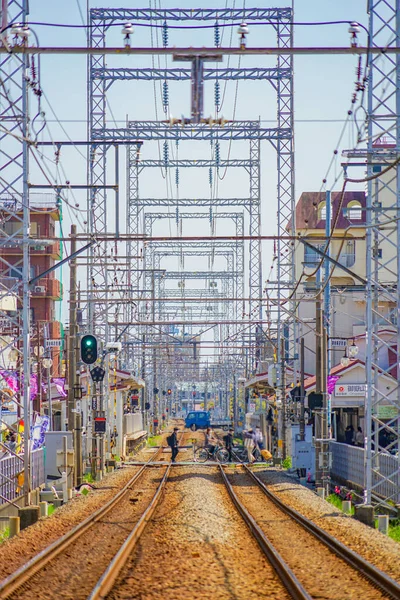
[102,137]
[15,218]
[382,415]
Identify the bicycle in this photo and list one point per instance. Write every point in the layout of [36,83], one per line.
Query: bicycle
[219,454]
[241,454]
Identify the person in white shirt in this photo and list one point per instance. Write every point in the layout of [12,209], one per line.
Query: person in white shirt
[258,438]
[359,437]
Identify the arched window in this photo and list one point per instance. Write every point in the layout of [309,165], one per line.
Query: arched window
[322,211]
[354,210]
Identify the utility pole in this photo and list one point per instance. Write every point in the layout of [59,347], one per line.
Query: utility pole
[327,305]
[153,314]
[302,393]
[94,408]
[318,390]
[325,407]
[283,398]
[235,402]
[26,291]
[143,390]
[321,414]
[74,419]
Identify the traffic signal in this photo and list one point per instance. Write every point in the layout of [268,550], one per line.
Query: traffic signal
[97,374]
[88,349]
[169,392]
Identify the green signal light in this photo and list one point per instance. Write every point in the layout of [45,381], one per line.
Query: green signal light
[88,349]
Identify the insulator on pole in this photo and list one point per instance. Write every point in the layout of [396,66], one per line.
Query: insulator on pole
[217,95]
[165,94]
[165,34]
[210,176]
[217,153]
[211,214]
[177,215]
[166,153]
[177,176]
[217,36]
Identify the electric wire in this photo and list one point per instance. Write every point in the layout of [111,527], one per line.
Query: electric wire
[152,25]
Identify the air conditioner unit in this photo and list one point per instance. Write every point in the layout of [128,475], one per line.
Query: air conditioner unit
[39,289]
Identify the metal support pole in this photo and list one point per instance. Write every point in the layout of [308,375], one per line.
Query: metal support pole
[73,378]
[327,305]
[283,388]
[78,412]
[100,436]
[72,335]
[318,390]
[26,273]
[235,402]
[302,392]
[324,423]
[153,308]
[116,190]
[94,437]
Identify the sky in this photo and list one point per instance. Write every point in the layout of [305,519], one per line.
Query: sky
[323,87]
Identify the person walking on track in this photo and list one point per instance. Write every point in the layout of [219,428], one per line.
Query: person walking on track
[228,439]
[173,443]
[249,444]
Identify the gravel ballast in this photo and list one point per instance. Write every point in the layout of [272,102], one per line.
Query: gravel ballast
[18,550]
[197,531]
[321,571]
[76,570]
[378,549]
[197,546]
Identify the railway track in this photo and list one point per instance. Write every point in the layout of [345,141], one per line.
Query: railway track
[72,561]
[311,565]
[307,558]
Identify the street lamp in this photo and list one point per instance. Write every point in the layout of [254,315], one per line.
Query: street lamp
[345,360]
[353,350]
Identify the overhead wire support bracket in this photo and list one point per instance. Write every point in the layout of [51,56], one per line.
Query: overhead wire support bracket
[203,52]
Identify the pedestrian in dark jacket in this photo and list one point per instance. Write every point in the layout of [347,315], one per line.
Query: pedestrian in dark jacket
[349,435]
[228,439]
[174,444]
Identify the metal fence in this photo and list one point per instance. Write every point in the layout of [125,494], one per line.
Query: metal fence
[11,467]
[348,465]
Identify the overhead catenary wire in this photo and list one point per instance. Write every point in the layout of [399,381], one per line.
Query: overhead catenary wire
[153,25]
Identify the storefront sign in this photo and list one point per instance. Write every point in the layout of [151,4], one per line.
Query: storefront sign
[350,389]
[53,343]
[387,412]
[337,343]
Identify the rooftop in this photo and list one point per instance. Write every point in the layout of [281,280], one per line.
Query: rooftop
[311,205]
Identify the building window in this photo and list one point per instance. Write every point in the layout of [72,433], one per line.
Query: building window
[16,272]
[311,258]
[347,257]
[354,210]
[322,211]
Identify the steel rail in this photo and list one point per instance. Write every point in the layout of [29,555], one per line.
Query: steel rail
[17,579]
[110,575]
[286,575]
[377,577]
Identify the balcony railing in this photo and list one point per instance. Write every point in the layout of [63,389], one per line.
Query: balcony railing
[313,259]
